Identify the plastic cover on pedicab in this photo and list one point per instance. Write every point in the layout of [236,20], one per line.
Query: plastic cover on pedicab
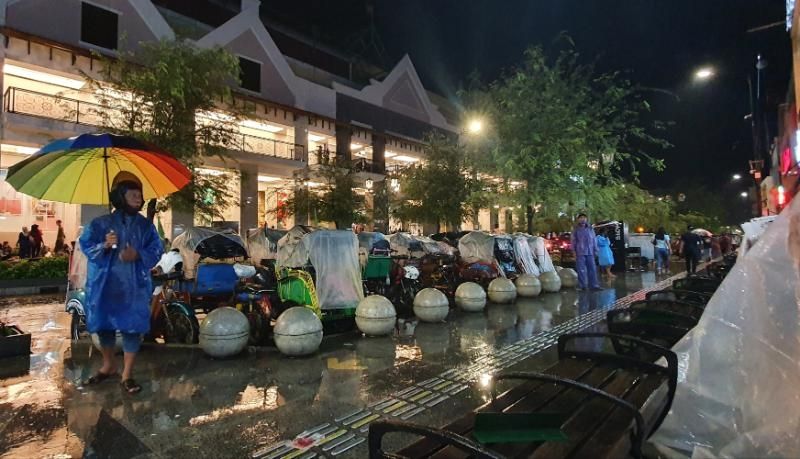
[334,255]
[476,246]
[539,249]
[524,255]
[367,239]
[404,244]
[739,367]
[196,243]
[291,253]
[78,265]
[432,247]
[262,243]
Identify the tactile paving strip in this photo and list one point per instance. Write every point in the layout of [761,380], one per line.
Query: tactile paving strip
[349,430]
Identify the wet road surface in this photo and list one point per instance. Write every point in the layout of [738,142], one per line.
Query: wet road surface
[195,406]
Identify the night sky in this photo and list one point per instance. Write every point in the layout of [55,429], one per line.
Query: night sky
[659,43]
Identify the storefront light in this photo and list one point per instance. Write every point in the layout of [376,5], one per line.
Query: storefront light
[267,178]
[369,184]
[406,159]
[315,137]
[253,124]
[389,154]
[58,80]
[19,149]
[781,196]
[209,172]
[797,146]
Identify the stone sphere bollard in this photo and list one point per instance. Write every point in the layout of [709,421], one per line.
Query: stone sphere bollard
[470,297]
[569,278]
[528,286]
[224,332]
[502,290]
[550,282]
[298,331]
[431,305]
[376,316]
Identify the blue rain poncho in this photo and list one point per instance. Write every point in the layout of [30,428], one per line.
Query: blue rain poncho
[118,293]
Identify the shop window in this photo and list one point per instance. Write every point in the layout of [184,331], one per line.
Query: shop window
[99,26]
[10,200]
[250,74]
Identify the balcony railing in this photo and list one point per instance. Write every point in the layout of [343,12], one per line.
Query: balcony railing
[367,165]
[48,106]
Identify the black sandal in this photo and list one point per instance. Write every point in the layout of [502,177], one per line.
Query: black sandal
[130,386]
[98,378]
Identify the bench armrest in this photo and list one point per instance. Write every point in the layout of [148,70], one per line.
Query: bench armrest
[638,435]
[671,359]
[380,428]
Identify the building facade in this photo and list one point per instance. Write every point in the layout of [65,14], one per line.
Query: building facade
[300,105]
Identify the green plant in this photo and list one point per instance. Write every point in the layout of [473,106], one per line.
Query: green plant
[45,268]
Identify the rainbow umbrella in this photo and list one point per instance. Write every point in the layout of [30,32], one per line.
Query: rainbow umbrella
[79,170]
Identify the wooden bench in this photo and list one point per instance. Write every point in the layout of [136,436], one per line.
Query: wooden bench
[609,404]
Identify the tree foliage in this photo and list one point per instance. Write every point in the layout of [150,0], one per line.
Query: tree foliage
[170,93]
[441,191]
[327,193]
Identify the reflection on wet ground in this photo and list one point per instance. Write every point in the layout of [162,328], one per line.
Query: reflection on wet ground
[195,406]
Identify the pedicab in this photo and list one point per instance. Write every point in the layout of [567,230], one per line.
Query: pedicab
[374,253]
[505,256]
[262,244]
[538,246]
[477,263]
[76,293]
[524,255]
[321,271]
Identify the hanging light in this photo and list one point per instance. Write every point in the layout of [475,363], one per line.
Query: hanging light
[395,184]
[369,184]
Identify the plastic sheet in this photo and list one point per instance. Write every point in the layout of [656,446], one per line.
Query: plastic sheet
[739,367]
[644,241]
[404,244]
[262,244]
[291,253]
[539,249]
[334,255]
[433,247]
[367,239]
[78,265]
[525,256]
[196,243]
[476,246]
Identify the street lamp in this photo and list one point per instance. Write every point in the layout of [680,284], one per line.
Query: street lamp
[743,194]
[475,126]
[703,73]
[737,176]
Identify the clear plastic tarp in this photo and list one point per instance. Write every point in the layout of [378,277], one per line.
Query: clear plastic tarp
[524,255]
[433,247]
[476,246]
[78,264]
[262,243]
[291,253]
[334,255]
[737,392]
[539,249]
[367,239]
[197,242]
[404,244]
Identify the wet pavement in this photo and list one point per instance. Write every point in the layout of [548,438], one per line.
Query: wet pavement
[195,406]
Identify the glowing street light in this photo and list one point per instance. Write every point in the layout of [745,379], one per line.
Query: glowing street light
[704,73]
[743,194]
[475,126]
[737,176]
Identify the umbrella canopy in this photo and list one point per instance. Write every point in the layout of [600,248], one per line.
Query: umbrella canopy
[78,170]
[702,232]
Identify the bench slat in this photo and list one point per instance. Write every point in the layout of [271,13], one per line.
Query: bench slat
[570,368]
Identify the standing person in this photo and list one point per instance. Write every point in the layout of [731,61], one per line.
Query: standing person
[663,251]
[584,243]
[24,243]
[60,238]
[691,245]
[724,244]
[37,241]
[121,248]
[605,257]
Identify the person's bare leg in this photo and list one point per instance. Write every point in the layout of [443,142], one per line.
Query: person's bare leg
[610,274]
[129,358]
[109,365]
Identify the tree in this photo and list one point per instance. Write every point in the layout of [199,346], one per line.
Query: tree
[171,94]
[563,130]
[327,192]
[440,191]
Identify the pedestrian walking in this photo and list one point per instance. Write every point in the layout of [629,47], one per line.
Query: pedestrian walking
[691,246]
[121,249]
[37,241]
[584,244]
[24,243]
[663,251]
[60,238]
[605,257]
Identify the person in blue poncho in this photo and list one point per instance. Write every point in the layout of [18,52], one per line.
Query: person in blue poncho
[121,249]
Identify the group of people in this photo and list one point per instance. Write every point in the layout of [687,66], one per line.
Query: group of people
[30,243]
